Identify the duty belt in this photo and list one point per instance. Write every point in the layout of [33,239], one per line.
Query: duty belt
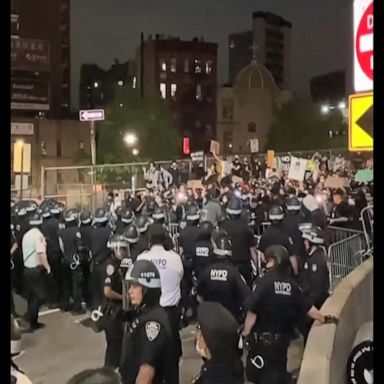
[267,338]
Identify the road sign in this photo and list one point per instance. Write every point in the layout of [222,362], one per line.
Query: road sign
[91,115]
[361,122]
[363,45]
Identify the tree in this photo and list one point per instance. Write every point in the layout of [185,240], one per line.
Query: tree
[299,125]
[148,119]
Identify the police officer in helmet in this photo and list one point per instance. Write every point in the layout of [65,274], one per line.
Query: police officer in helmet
[100,253]
[276,235]
[131,235]
[159,217]
[127,217]
[221,282]
[113,285]
[143,222]
[203,255]
[119,225]
[242,238]
[314,277]
[147,351]
[275,307]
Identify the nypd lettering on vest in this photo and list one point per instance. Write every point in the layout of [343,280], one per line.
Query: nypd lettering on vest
[160,263]
[202,251]
[219,274]
[282,288]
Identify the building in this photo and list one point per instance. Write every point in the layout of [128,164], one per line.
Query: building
[329,88]
[40,58]
[271,35]
[98,86]
[245,110]
[184,74]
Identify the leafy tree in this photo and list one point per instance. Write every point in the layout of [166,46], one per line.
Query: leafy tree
[149,120]
[299,125]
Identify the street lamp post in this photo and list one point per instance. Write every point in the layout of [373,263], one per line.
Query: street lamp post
[93,160]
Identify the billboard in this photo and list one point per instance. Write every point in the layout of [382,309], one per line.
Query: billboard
[29,94]
[29,54]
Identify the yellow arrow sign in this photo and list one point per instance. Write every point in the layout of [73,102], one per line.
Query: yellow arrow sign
[361,122]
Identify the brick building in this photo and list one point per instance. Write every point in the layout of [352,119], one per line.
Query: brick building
[184,74]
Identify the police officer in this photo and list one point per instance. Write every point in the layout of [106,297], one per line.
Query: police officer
[275,307]
[50,229]
[131,235]
[119,225]
[242,238]
[113,285]
[73,279]
[148,345]
[221,282]
[127,217]
[143,222]
[342,213]
[290,225]
[212,209]
[275,235]
[171,272]
[35,263]
[100,253]
[203,255]
[159,217]
[314,278]
[217,343]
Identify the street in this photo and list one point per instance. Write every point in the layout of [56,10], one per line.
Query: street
[65,347]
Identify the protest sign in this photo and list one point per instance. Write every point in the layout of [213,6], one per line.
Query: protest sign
[215,147]
[297,168]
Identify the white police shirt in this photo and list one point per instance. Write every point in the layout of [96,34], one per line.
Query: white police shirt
[171,272]
[33,242]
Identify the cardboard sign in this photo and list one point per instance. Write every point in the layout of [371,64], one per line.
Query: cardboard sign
[215,147]
[194,184]
[336,182]
[297,169]
[271,159]
[254,145]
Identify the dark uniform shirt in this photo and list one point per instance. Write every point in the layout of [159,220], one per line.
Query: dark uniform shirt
[278,304]
[113,279]
[187,240]
[242,238]
[50,229]
[275,235]
[343,210]
[215,371]
[99,241]
[221,282]
[148,340]
[314,278]
[70,237]
[203,256]
[142,245]
[290,225]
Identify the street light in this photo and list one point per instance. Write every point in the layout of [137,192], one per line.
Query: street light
[342,105]
[325,109]
[130,139]
[135,152]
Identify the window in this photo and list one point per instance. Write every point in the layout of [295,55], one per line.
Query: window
[120,83]
[173,91]
[198,68]
[231,43]
[228,141]
[252,127]
[134,82]
[199,93]
[163,65]
[163,90]
[227,109]
[208,66]
[186,66]
[58,148]
[173,65]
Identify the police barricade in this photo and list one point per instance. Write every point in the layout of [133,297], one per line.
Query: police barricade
[257,269]
[173,229]
[261,228]
[175,240]
[344,256]
[335,234]
[366,218]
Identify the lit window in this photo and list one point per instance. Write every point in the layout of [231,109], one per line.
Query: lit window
[173,91]
[208,66]
[134,82]
[96,84]
[186,66]
[231,44]
[199,94]
[163,65]
[120,83]
[163,90]
[198,68]
[173,65]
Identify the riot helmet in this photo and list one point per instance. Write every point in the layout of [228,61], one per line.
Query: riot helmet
[143,223]
[85,217]
[127,216]
[158,215]
[193,213]
[71,215]
[234,207]
[131,234]
[205,230]
[46,212]
[35,220]
[293,204]
[314,236]
[119,211]
[222,245]
[101,216]
[276,214]
[280,257]
[119,245]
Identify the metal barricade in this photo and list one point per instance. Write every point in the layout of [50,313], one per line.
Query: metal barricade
[344,256]
[366,218]
[262,227]
[173,229]
[175,240]
[335,234]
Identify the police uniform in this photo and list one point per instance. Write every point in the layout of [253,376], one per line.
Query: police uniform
[242,239]
[50,229]
[221,282]
[114,324]
[100,254]
[203,256]
[84,248]
[279,305]
[142,245]
[33,242]
[275,235]
[148,340]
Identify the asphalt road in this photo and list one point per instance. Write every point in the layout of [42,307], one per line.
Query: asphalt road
[65,347]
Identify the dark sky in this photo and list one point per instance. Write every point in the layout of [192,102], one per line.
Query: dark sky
[105,29]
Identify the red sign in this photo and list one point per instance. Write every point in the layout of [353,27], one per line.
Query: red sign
[186,146]
[364,42]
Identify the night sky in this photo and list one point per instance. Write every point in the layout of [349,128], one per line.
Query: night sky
[106,29]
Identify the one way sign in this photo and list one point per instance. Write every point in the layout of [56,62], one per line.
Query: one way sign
[361,122]
[91,115]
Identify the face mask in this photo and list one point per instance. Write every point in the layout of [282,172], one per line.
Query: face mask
[201,352]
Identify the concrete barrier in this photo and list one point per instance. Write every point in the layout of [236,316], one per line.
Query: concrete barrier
[328,346]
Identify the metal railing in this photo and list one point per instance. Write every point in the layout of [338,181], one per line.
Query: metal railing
[366,218]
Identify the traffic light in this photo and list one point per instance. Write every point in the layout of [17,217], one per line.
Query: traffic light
[186,146]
